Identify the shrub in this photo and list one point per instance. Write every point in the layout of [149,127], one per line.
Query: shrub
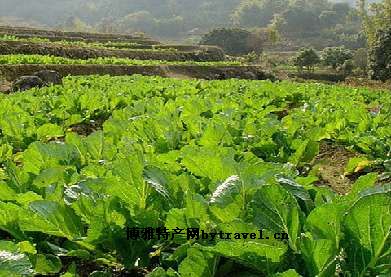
[347,68]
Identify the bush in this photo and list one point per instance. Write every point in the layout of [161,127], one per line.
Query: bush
[234,41]
[347,68]
[380,57]
[336,56]
[307,58]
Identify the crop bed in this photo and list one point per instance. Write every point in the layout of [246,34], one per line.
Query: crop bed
[93,170]
[53,33]
[111,45]
[74,52]
[140,41]
[207,72]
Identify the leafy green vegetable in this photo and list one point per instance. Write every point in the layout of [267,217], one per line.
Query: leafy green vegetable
[83,164]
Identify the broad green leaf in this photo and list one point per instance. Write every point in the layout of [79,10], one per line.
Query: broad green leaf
[198,263]
[52,218]
[40,156]
[50,176]
[367,228]
[6,193]
[257,255]
[275,209]
[319,255]
[216,134]
[324,222]
[216,163]
[9,219]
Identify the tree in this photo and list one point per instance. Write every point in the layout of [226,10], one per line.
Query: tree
[336,56]
[378,18]
[380,56]
[329,18]
[307,58]
[235,41]
[256,13]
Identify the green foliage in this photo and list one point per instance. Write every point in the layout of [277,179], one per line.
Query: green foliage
[234,41]
[376,18]
[217,155]
[41,59]
[336,56]
[307,58]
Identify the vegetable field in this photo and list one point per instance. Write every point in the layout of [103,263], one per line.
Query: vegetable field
[112,176]
[43,59]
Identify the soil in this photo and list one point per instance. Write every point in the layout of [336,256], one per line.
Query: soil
[85,129]
[5,86]
[330,165]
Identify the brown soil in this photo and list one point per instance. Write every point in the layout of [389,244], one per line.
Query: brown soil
[363,82]
[11,72]
[330,165]
[18,47]
[5,86]
[85,129]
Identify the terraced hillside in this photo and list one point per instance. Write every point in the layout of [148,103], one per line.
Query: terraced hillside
[24,50]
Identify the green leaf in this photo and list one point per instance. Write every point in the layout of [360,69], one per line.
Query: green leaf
[216,163]
[40,156]
[357,164]
[71,272]
[275,209]
[289,273]
[363,183]
[367,228]
[6,193]
[47,264]
[9,219]
[13,262]
[52,218]
[257,255]
[48,131]
[305,151]
[324,222]
[319,255]
[50,176]
[198,263]
[216,134]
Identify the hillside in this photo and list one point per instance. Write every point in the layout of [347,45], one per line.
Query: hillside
[166,18]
